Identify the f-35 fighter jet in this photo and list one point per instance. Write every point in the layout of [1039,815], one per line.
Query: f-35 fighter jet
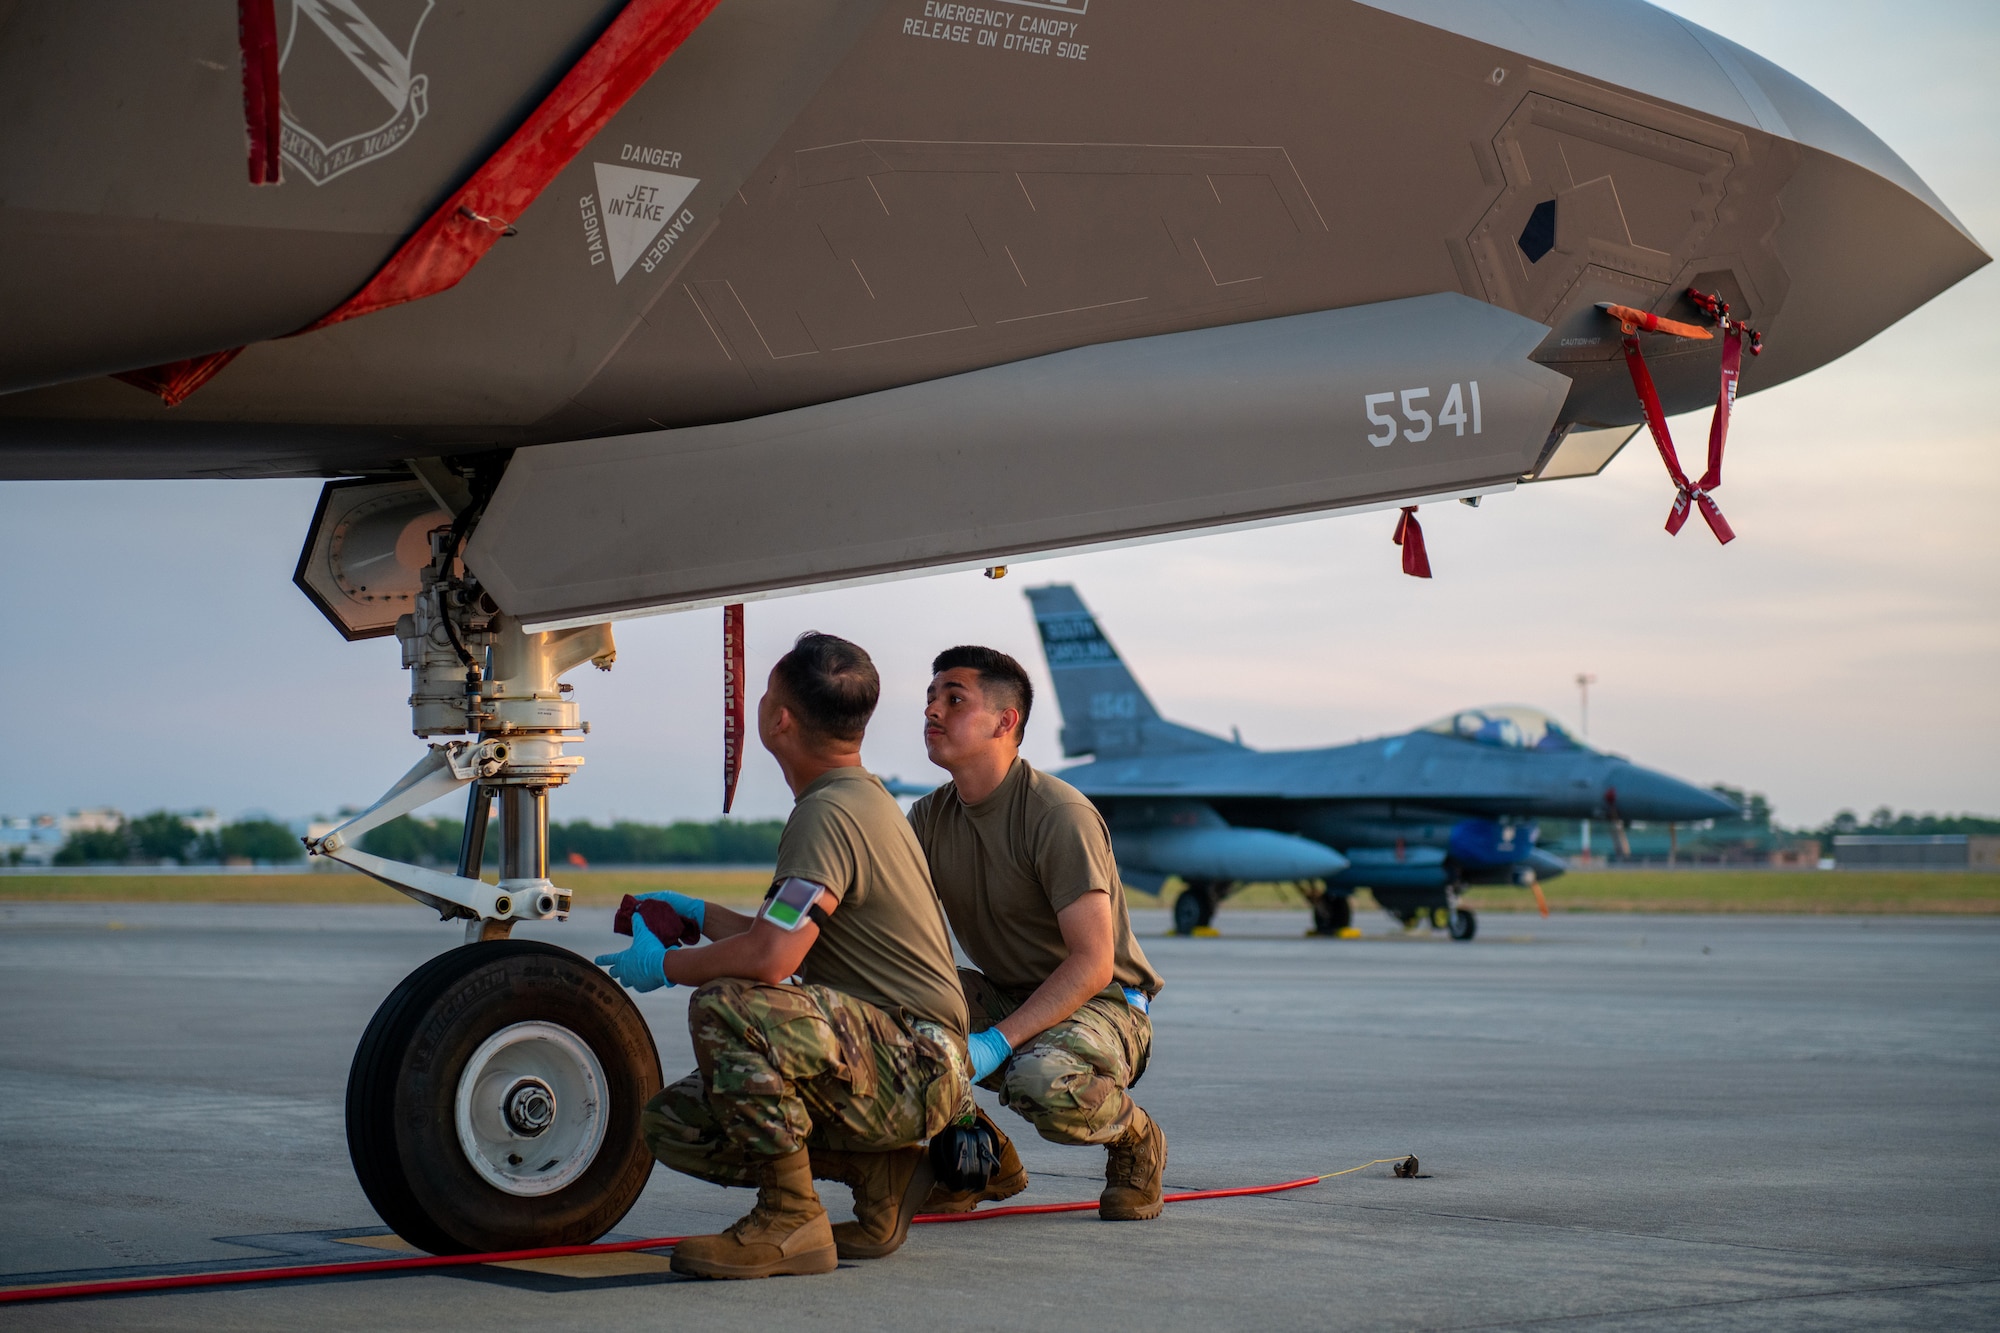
[1413,818]
[596,308]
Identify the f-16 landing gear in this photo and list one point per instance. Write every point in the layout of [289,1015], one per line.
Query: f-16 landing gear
[1440,909]
[1332,913]
[1194,909]
[494,1101]
[1458,922]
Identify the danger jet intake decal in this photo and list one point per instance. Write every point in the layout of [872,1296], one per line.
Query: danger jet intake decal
[341,65]
[636,216]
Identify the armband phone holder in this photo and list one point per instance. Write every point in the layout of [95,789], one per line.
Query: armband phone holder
[792,902]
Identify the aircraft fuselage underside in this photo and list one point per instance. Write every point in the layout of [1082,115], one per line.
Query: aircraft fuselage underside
[814,200]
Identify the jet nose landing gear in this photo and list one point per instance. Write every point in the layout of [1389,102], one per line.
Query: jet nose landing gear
[494,1100]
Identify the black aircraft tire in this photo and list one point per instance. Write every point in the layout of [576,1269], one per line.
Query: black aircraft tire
[1332,913]
[1464,925]
[1191,910]
[403,1129]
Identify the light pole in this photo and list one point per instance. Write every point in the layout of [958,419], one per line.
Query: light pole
[1584,680]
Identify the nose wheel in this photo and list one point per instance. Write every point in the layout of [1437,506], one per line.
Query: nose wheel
[1459,922]
[1194,909]
[494,1101]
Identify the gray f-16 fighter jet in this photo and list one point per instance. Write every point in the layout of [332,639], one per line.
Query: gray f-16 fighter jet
[594,309]
[1413,818]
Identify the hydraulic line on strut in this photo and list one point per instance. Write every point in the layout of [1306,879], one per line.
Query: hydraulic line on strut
[423,1262]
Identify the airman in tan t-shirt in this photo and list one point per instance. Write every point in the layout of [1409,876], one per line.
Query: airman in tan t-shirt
[1061,997]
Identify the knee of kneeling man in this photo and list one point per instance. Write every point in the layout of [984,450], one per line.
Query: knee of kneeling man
[1035,1074]
[722,993]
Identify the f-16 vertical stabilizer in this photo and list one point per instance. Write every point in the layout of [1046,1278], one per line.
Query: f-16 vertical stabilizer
[1105,712]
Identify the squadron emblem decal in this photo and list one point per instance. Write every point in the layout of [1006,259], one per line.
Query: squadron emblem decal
[322,58]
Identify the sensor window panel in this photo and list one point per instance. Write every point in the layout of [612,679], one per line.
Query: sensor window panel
[1587,451]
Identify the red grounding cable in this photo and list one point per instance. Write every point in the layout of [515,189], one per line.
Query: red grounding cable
[296,1272]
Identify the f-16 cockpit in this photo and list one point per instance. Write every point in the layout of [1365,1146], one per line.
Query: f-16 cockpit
[1509,727]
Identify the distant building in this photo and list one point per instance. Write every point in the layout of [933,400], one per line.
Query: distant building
[1800,855]
[1720,842]
[1932,851]
[96,819]
[29,839]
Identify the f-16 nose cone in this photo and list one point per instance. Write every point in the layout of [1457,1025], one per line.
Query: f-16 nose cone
[1655,798]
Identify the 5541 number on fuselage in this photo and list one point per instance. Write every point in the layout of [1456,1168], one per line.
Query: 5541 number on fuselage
[1452,412]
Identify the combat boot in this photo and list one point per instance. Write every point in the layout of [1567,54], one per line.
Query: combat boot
[1133,1165]
[787,1232]
[1009,1178]
[887,1187]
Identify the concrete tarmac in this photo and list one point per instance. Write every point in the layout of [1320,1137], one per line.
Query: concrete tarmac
[1625,1123]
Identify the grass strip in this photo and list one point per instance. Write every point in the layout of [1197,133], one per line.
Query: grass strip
[1832,892]
[591,888]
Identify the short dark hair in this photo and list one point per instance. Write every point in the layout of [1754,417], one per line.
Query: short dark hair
[830,685]
[1003,679]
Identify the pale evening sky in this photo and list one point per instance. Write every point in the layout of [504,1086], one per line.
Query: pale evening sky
[1844,651]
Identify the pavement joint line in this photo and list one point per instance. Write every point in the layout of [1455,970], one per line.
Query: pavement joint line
[1836,1294]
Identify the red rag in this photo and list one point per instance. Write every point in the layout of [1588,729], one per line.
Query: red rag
[667,925]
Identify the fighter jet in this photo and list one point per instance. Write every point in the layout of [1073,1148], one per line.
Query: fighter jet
[593,309]
[1413,818]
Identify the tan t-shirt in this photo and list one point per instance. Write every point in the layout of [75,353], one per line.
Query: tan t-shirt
[887,942]
[1004,867]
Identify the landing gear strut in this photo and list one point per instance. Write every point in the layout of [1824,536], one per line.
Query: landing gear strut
[1332,913]
[494,1101]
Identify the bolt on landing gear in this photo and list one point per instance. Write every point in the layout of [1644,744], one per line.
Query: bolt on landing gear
[493,1102]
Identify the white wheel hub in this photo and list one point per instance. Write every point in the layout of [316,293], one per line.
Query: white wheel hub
[531,1108]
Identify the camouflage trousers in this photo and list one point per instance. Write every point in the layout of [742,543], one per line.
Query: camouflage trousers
[781,1068]
[1070,1081]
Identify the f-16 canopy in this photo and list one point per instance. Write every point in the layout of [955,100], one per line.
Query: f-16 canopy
[1508,726]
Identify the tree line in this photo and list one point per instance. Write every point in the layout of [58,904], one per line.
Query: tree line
[1757,812]
[685,842]
[163,837]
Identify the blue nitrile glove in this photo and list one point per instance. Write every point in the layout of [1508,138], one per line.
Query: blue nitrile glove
[643,966]
[989,1050]
[691,909]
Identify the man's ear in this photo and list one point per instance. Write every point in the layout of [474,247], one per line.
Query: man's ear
[1010,722]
